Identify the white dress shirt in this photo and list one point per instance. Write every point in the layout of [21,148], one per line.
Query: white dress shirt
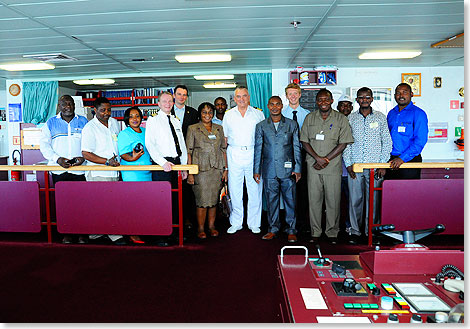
[159,139]
[240,131]
[102,141]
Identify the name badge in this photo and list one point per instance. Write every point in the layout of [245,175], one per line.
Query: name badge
[212,136]
[374,125]
[114,136]
[401,129]
[320,137]
[287,164]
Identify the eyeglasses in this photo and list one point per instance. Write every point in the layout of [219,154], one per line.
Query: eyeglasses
[364,97]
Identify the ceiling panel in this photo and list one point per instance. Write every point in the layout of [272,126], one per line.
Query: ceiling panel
[106,35]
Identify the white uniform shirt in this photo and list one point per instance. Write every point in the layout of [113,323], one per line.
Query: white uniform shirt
[102,141]
[60,138]
[240,131]
[159,139]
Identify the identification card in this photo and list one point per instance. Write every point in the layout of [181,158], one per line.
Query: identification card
[374,125]
[401,129]
[114,136]
[320,137]
[287,164]
[212,136]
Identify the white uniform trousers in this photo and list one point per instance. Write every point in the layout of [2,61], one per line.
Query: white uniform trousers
[240,166]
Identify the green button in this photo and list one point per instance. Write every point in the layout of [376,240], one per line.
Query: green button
[374,306]
[356,305]
[371,286]
[365,306]
[348,305]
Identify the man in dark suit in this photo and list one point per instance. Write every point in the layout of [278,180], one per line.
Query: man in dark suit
[278,159]
[187,116]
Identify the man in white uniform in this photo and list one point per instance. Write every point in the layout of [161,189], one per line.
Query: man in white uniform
[239,128]
[99,147]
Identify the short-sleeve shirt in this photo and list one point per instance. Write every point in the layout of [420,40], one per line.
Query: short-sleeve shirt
[102,141]
[335,130]
[127,140]
[240,131]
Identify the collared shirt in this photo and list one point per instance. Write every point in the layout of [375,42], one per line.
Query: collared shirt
[217,120]
[60,138]
[159,139]
[302,113]
[179,113]
[409,131]
[240,131]
[102,141]
[372,141]
[324,135]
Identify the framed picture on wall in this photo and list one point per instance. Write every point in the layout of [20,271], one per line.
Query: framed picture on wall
[414,80]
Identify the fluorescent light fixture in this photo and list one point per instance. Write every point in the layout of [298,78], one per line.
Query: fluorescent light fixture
[27,66]
[215,85]
[94,82]
[203,58]
[214,77]
[389,54]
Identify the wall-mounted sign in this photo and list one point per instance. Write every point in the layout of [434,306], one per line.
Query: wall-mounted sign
[454,105]
[14,112]
[437,82]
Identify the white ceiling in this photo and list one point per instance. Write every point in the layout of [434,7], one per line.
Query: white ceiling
[106,35]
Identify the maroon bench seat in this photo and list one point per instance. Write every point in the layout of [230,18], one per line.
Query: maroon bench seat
[20,210]
[128,208]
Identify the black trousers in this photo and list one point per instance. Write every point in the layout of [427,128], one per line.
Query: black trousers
[402,173]
[66,176]
[172,177]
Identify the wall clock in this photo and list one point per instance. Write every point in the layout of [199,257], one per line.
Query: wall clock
[14,89]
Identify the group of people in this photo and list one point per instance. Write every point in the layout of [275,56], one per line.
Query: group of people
[295,157]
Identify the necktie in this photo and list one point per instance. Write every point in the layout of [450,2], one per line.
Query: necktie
[175,138]
[294,117]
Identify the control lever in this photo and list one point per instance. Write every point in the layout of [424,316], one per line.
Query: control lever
[321,261]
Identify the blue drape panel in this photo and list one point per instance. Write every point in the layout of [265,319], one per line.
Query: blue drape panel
[260,88]
[39,100]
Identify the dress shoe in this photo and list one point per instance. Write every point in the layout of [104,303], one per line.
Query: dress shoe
[255,230]
[353,239]
[201,235]
[82,239]
[136,239]
[232,229]
[67,239]
[120,242]
[214,232]
[291,238]
[269,236]
[314,239]
[162,243]
[333,240]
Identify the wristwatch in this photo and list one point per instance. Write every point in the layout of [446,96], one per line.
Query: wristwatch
[107,162]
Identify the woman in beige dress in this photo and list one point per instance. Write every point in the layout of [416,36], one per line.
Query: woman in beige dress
[205,142]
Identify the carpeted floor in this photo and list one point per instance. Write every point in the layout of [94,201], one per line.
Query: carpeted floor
[231,278]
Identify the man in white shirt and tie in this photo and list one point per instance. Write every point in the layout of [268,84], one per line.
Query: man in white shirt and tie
[297,113]
[239,128]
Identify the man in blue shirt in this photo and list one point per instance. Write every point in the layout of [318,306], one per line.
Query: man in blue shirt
[408,125]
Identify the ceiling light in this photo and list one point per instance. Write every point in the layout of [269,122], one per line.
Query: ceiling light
[214,77]
[27,66]
[203,58]
[94,82]
[214,85]
[389,54]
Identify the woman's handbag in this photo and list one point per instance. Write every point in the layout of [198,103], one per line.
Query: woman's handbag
[225,203]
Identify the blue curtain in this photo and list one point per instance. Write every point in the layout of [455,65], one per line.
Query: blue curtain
[39,101]
[260,88]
